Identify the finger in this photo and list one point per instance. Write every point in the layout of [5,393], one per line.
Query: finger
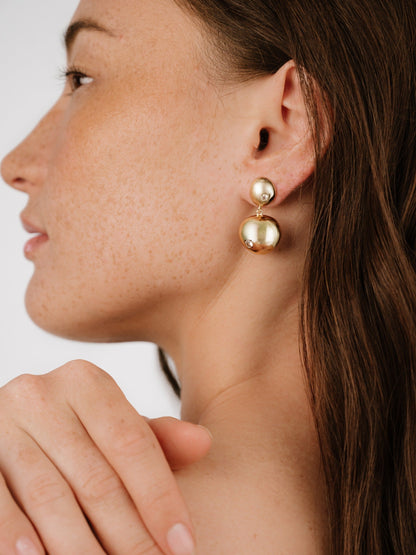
[46,499]
[98,489]
[17,535]
[132,449]
[182,442]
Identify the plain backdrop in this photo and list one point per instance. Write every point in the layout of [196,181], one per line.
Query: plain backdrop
[31,54]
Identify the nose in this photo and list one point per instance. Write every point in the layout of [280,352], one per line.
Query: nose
[25,167]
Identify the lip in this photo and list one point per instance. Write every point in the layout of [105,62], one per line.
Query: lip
[41,237]
[30,227]
[32,246]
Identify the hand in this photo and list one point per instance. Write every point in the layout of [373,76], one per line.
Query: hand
[83,472]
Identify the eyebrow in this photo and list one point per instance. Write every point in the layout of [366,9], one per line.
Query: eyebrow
[82,24]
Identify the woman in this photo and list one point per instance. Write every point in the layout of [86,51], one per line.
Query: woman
[300,360]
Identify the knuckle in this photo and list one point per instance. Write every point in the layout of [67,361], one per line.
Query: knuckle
[145,546]
[26,387]
[99,486]
[27,454]
[80,364]
[79,369]
[75,368]
[135,445]
[159,495]
[72,374]
[45,490]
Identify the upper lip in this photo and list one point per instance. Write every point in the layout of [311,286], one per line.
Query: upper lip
[30,226]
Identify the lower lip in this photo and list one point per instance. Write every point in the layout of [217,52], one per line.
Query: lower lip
[34,244]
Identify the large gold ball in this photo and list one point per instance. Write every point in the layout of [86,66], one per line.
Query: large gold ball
[259,235]
[262,191]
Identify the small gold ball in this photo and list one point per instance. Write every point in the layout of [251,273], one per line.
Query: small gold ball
[259,235]
[262,192]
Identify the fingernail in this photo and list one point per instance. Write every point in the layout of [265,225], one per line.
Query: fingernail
[24,546]
[206,430]
[180,540]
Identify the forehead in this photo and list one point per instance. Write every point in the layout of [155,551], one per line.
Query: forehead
[160,21]
[125,12]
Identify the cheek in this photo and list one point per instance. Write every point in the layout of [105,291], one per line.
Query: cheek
[137,186]
[134,209]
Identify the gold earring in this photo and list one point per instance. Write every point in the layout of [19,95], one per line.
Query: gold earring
[260,233]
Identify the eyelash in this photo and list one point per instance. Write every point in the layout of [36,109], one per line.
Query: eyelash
[72,75]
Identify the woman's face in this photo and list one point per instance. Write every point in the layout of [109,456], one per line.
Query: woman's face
[132,177]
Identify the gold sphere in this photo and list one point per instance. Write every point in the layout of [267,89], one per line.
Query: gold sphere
[259,235]
[262,192]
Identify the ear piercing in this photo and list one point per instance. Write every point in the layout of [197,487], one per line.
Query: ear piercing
[260,233]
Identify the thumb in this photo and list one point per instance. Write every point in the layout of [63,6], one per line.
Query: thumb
[182,442]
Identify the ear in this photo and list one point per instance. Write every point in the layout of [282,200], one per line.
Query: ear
[283,149]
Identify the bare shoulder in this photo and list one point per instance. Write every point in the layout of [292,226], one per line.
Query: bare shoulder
[246,515]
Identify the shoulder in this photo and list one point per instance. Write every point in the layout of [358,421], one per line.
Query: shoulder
[240,514]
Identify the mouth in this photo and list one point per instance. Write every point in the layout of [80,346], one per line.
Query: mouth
[40,238]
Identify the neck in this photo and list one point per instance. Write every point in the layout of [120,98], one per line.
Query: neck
[238,372]
[237,353]
[239,359]
[243,379]
[245,337]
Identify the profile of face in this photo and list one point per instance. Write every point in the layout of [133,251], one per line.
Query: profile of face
[132,176]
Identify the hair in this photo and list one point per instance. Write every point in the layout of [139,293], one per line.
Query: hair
[356,63]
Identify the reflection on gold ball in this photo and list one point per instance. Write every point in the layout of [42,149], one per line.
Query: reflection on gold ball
[259,235]
[262,192]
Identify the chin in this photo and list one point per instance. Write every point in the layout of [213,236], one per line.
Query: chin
[63,321]
[74,319]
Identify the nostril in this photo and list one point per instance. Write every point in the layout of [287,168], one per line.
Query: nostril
[19,183]
[11,171]
[21,171]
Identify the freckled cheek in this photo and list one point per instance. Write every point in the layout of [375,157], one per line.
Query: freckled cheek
[137,170]
[112,181]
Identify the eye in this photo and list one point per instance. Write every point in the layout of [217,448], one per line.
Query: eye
[76,78]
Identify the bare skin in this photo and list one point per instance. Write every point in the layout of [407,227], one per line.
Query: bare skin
[139,177]
[73,447]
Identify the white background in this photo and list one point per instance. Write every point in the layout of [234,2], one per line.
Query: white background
[31,54]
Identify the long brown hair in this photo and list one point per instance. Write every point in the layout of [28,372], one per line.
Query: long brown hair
[359,299]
